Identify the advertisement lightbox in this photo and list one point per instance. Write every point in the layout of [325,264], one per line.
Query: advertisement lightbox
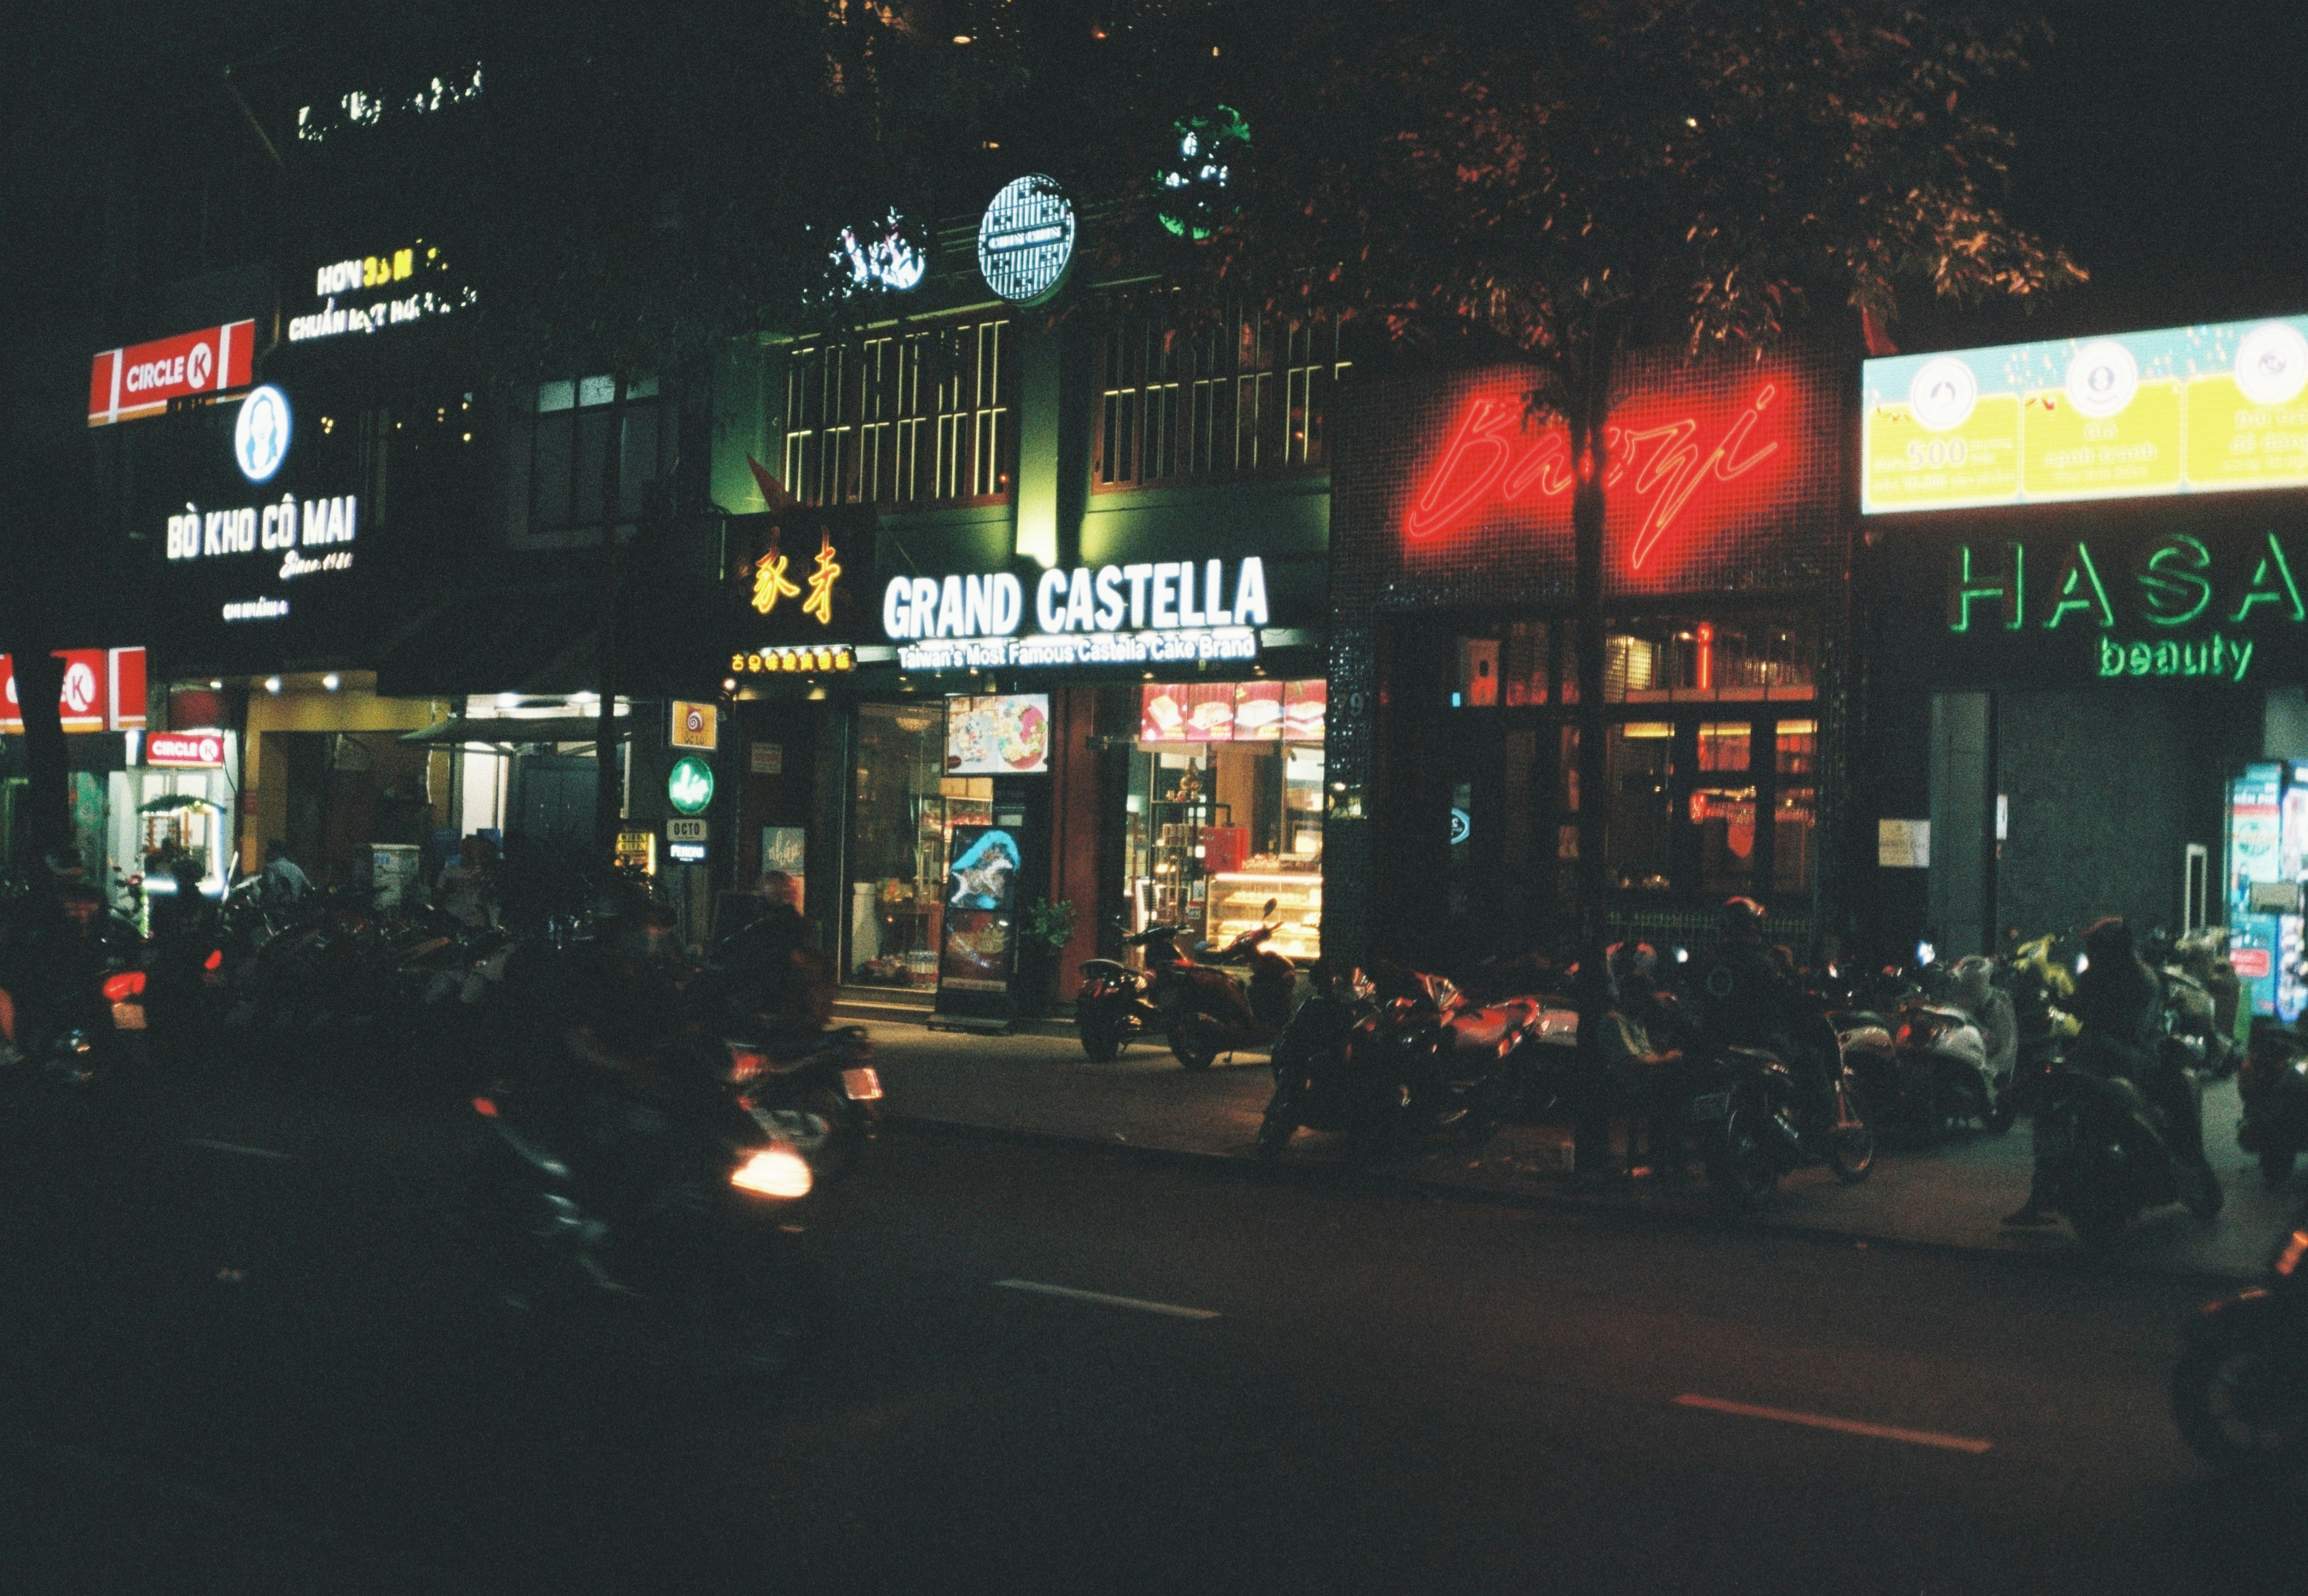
[2209,408]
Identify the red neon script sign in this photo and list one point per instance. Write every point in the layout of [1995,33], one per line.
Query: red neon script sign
[1481,465]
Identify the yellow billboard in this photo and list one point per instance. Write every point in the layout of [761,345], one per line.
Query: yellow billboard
[2207,409]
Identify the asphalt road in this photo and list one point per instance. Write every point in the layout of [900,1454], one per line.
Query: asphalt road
[225,1370]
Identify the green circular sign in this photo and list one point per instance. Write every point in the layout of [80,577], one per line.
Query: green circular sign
[689,785]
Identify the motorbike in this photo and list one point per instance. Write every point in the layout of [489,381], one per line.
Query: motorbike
[2200,997]
[2240,1389]
[1385,1065]
[1210,1013]
[816,1090]
[2102,1151]
[1742,1111]
[1115,1005]
[698,1234]
[2273,1083]
[1198,1005]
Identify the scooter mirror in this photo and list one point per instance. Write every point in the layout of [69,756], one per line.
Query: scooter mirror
[1270,903]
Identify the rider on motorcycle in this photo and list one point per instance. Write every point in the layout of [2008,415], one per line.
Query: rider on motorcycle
[2118,1001]
[1747,1000]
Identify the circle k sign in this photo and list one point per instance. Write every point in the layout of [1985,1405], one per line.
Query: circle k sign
[186,749]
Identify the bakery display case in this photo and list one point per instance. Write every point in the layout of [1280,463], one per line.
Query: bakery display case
[1238,898]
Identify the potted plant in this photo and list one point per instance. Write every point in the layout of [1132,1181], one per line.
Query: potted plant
[1048,926]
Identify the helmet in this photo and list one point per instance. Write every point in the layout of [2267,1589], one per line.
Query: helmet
[1633,958]
[1742,919]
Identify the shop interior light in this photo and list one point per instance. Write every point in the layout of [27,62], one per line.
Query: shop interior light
[332,681]
[272,683]
[729,684]
[215,685]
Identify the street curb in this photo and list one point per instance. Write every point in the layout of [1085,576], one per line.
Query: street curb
[2069,1259]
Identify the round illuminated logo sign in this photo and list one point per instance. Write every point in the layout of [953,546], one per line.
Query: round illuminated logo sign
[689,785]
[2102,378]
[1943,394]
[1462,825]
[1026,239]
[1194,181]
[883,259]
[2271,364]
[200,364]
[260,437]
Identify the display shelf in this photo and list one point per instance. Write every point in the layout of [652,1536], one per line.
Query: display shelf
[1237,898]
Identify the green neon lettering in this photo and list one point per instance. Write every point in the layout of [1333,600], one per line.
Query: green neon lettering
[2173,586]
[2273,568]
[1966,590]
[2080,589]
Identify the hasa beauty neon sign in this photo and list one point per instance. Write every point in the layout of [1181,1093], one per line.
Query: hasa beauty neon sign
[1667,467]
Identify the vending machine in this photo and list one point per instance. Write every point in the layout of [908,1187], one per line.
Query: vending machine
[2268,838]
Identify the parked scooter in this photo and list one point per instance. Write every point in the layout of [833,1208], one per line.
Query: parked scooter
[1115,1005]
[1210,1013]
[2240,1390]
[1198,1005]
[1385,1062]
[2274,1085]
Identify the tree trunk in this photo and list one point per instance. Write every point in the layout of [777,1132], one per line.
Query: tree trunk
[609,778]
[48,791]
[1588,404]
[608,788]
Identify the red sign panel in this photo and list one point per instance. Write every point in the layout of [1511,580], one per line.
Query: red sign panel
[103,690]
[2251,963]
[1716,474]
[203,750]
[142,379]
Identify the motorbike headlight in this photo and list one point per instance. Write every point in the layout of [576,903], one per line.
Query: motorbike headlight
[774,1172]
[2293,1251]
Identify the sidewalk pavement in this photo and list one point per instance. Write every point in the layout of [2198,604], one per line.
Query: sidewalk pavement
[1950,1197]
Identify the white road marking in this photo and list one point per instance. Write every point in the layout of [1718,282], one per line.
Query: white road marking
[1143,1306]
[236,1147]
[1849,1427]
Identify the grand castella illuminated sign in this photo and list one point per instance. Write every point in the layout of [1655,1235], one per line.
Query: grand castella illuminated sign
[1158,612]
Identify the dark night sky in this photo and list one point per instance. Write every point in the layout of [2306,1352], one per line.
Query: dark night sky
[2166,146]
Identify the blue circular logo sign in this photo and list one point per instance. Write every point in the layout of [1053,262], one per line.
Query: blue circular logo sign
[260,437]
[1026,239]
[1462,825]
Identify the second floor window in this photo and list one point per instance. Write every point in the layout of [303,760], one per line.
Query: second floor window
[900,417]
[576,424]
[1249,393]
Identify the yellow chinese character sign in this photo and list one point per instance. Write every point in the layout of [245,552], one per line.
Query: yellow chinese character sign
[769,583]
[828,571]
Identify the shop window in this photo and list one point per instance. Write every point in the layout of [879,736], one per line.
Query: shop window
[1680,658]
[563,452]
[900,417]
[1723,808]
[1508,665]
[1638,819]
[1225,810]
[1247,395]
[904,810]
[1794,812]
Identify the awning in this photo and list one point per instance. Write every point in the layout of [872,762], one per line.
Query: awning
[514,732]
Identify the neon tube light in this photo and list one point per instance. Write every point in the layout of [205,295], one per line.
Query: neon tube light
[1481,465]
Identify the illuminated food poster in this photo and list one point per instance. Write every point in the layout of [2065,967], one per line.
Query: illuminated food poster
[1005,735]
[980,884]
[2183,410]
[1232,711]
[1258,713]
